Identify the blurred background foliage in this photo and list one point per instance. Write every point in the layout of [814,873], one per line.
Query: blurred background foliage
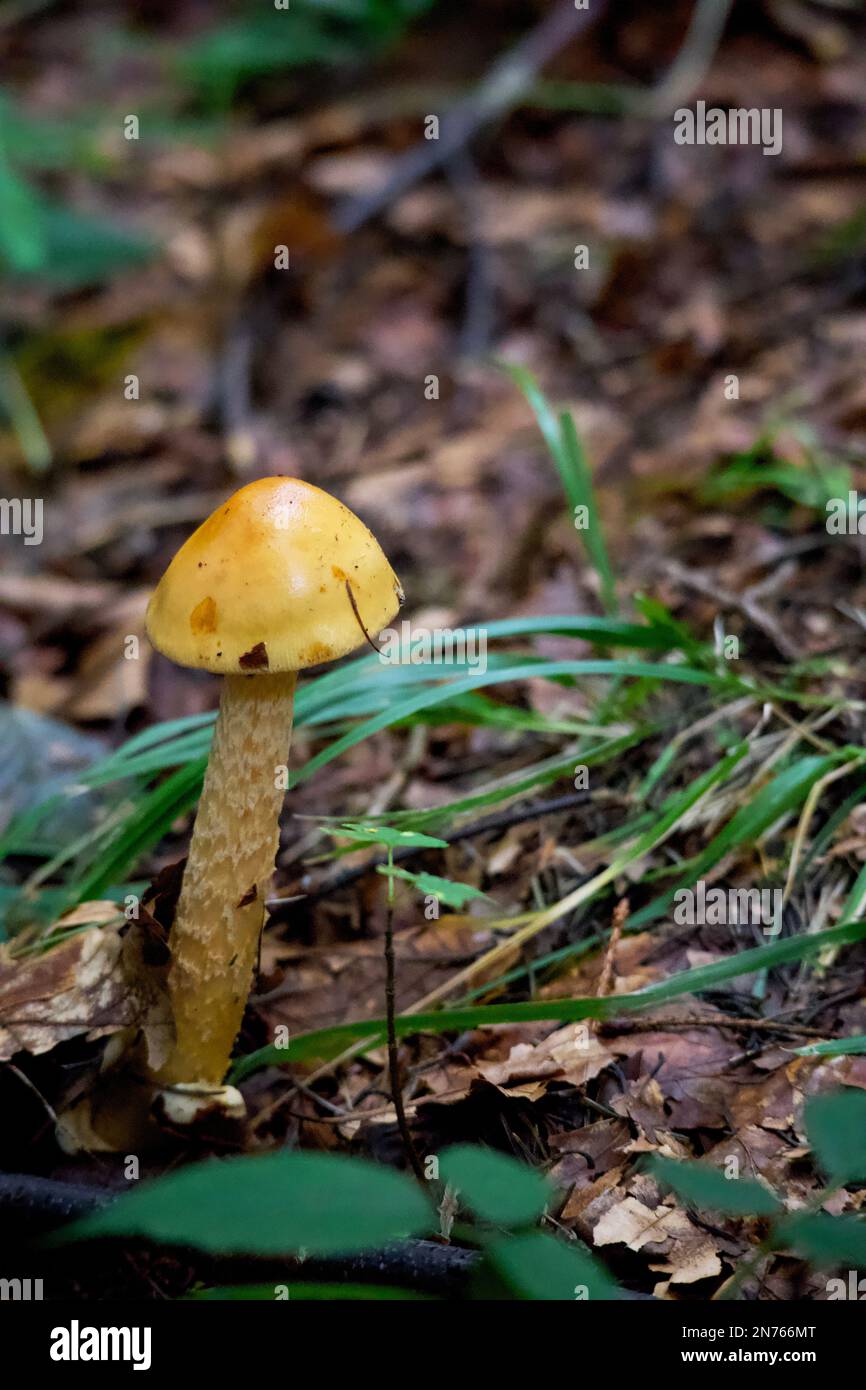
[205,74]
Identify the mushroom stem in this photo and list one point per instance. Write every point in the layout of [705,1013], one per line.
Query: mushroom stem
[215,936]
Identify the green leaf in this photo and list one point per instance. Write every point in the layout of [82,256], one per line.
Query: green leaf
[83,250]
[762,470]
[39,236]
[578,469]
[541,1267]
[385,835]
[22,241]
[497,1188]
[836,1126]
[271,1204]
[447,890]
[703,1186]
[824,1239]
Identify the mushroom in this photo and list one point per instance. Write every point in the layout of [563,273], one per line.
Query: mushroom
[281,577]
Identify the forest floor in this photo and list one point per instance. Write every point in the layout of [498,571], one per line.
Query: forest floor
[699,313]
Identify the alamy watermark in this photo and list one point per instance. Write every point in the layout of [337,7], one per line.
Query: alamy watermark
[20,1290]
[739,125]
[852,1288]
[77,1343]
[703,906]
[22,516]
[437,646]
[846,516]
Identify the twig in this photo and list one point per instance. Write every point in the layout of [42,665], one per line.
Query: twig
[359,619]
[390,1012]
[743,603]
[620,913]
[479,294]
[506,80]
[692,63]
[682,78]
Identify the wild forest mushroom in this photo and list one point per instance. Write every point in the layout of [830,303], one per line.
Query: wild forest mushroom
[282,576]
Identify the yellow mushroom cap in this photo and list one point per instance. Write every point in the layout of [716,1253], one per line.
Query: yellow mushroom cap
[264,584]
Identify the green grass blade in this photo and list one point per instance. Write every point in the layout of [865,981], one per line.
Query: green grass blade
[327,1042]
[570,461]
[784,793]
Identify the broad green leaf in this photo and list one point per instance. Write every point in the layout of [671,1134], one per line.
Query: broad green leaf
[269,1205]
[703,1186]
[824,1239]
[495,1187]
[836,1126]
[542,1267]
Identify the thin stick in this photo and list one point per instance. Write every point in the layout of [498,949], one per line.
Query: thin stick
[390,1012]
[620,913]
[359,619]
[498,92]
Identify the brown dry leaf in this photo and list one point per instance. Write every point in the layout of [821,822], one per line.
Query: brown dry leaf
[643,1104]
[776,1101]
[98,982]
[589,1151]
[586,1205]
[759,1153]
[692,1260]
[509,849]
[771,1103]
[96,913]
[76,987]
[635,1225]
[688,1067]
[667,1144]
[144,966]
[310,988]
[572,1054]
[690,1253]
